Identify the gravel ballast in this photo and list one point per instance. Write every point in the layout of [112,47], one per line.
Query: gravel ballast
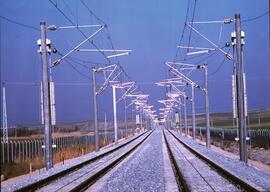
[196,174]
[235,166]
[143,171]
[59,168]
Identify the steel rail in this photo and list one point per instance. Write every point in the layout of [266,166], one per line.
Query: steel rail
[45,181]
[243,183]
[108,166]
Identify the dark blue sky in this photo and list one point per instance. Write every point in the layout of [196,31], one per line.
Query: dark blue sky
[151,28]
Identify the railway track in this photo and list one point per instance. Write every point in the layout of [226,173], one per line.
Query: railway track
[125,166]
[196,172]
[81,176]
[147,168]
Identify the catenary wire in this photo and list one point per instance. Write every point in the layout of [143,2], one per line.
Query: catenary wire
[190,32]
[183,31]
[55,5]
[219,67]
[19,23]
[255,18]
[68,19]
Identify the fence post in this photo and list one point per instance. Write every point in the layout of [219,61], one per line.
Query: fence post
[40,148]
[12,151]
[53,143]
[36,147]
[60,142]
[27,150]
[20,151]
[8,154]
[23,150]
[32,149]
[57,143]
[15,151]
[3,152]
